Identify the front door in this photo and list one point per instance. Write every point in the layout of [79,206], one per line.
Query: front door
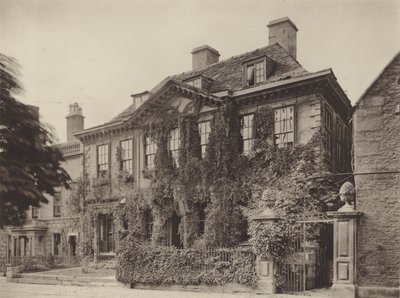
[106,233]
[72,241]
[173,236]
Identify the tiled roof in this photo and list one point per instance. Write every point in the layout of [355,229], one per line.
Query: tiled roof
[227,74]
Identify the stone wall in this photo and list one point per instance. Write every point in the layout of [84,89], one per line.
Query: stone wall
[376,149]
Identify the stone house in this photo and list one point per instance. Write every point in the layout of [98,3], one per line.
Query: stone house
[302,103]
[52,229]
[376,130]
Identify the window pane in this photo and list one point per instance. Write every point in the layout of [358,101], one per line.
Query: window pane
[126,156]
[260,77]
[204,131]
[247,133]
[102,160]
[284,126]
[150,151]
[250,75]
[174,143]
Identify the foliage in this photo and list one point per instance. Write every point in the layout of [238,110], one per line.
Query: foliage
[151,264]
[281,179]
[30,166]
[224,166]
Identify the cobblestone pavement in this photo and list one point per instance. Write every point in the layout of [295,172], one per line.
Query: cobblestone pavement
[14,290]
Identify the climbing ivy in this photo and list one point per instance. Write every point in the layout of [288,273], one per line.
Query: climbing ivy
[216,196]
[281,179]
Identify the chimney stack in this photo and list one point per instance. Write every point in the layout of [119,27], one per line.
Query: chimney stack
[204,56]
[139,98]
[283,31]
[75,121]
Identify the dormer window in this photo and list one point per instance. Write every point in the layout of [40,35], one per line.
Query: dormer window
[196,82]
[256,71]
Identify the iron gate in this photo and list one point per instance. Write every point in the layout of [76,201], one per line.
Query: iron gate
[309,264]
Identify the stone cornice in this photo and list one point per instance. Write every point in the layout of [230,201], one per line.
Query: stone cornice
[108,129]
[325,83]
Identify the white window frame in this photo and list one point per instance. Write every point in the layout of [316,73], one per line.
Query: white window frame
[204,133]
[150,148]
[174,143]
[246,130]
[106,162]
[284,126]
[126,165]
[259,74]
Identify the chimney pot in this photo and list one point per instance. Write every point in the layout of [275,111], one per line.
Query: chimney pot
[283,31]
[203,56]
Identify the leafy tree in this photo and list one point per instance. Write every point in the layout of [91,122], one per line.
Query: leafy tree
[30,164]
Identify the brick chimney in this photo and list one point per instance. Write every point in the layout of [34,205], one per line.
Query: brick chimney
[75,121]
[204,56]
[283,31]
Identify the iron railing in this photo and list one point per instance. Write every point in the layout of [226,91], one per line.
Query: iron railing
[307,265]
[205,258]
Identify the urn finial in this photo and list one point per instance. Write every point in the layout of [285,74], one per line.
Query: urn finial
[347,193]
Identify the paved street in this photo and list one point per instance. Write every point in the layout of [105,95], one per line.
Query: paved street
[8,290]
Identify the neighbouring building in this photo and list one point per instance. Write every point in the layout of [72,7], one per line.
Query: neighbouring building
[376,129]
[52,229]
[301,104]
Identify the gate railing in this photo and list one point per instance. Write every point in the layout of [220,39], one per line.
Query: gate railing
[306,267]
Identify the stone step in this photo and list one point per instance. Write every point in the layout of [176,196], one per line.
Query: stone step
[64,280]
[34,281]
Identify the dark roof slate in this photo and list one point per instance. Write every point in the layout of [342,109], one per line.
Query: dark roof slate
[227,74]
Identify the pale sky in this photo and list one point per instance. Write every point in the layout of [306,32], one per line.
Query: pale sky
[98,53]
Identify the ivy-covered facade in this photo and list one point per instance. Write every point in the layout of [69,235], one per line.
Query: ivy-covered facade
[185,164]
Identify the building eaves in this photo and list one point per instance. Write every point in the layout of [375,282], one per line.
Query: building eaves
[282,82]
